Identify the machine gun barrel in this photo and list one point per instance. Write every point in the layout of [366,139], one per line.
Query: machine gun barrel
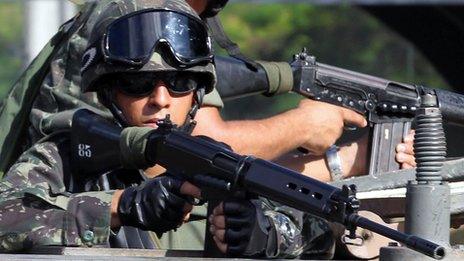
[208,163]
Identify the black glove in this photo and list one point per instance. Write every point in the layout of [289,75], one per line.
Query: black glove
[246,228]
[154,205]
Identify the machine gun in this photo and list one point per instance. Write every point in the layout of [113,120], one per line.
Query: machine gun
[388,106]
[99,145]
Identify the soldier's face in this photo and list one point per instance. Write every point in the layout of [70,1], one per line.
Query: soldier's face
[197,5]
[147,111]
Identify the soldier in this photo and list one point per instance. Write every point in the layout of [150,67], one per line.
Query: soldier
[303,126]
[141,74]
[43,203]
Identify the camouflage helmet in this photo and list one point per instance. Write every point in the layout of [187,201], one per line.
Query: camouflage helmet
[213,7]
[94,68]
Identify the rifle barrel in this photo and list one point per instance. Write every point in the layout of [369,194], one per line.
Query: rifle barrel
[421,245]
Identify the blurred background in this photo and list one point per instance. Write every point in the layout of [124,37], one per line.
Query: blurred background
[337,34]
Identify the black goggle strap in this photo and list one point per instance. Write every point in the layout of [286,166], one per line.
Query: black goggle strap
[224,41]
[92,56]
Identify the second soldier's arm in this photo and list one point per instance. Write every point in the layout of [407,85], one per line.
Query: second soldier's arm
[304,126]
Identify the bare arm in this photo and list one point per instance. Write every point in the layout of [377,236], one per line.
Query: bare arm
[264,138]
[354,158]
[312,124]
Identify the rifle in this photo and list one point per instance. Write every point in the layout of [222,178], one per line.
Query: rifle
[388,106]
[209,164]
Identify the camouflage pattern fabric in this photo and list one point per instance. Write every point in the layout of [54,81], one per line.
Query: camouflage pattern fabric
[36,209]
[94,68]
[293,234]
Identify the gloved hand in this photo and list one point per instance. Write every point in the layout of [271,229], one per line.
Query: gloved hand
[155,205]
[240,228]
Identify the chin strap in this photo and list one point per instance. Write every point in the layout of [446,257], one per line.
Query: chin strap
[190,123]
[117,113]
[106,97]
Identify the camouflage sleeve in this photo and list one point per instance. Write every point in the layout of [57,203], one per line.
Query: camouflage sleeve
[295,233]
[35,208]
[213,99]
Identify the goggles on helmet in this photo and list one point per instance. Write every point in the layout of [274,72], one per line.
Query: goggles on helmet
[133,38]
[140,85]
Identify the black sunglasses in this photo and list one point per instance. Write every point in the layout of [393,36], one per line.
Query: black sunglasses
[141,84]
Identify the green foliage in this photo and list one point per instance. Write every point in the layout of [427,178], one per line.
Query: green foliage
[338,35]
[11,22]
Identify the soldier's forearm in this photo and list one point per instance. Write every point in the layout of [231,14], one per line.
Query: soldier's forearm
[353,158]
[308,165]
[268,138]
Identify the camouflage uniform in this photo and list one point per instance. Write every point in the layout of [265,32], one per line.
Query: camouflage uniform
[43,203]
[36,208]
[61,89]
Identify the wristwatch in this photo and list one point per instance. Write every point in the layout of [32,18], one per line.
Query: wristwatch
[334,163]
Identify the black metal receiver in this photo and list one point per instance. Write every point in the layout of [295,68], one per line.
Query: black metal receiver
[368,95]
[388,106]
[208,163]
